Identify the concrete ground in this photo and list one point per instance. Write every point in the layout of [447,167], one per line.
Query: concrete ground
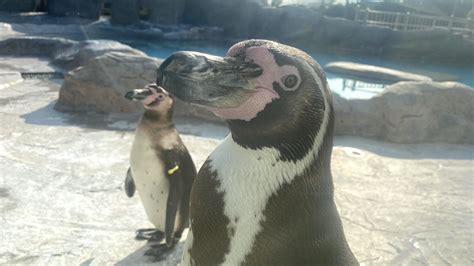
[62,200]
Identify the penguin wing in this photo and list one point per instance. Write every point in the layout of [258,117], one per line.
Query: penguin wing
[175,162]
[129,184]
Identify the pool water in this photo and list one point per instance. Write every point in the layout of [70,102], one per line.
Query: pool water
[347,87]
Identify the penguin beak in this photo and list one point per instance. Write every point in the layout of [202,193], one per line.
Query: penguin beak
[139,94]
[213,81]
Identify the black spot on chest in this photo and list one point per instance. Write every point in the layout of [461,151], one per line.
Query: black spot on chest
[208,222]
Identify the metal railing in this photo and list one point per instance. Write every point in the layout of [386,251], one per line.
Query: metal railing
[414,22]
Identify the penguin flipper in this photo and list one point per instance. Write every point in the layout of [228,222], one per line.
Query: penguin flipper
[129,184]
[161,251]
[172,205]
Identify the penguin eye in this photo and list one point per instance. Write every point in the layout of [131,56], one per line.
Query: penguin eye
[161,96]
[290,81]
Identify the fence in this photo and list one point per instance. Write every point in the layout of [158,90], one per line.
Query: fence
[413,22]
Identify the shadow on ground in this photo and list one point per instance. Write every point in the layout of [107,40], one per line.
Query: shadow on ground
[138,258]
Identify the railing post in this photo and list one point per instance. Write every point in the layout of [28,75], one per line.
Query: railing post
[450,23]
[397,21]
[407,20]
[356,18]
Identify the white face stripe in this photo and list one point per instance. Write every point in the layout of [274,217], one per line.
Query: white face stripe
[248,182]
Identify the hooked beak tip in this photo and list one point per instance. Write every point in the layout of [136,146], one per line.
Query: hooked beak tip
[129,95]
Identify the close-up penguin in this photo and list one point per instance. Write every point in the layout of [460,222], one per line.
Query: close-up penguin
[161,169]
[265,195]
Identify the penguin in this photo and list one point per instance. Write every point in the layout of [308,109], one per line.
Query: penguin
[161,169]
[265,195]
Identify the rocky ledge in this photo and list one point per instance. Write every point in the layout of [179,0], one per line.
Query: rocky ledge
[411,112]
[370,72]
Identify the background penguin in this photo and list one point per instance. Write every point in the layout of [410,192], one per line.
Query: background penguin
[265,195]
[161,169]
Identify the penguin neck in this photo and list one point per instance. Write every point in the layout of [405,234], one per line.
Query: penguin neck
[157,120]
[294,142]
[306,148]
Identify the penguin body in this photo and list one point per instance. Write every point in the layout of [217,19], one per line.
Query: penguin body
[265,196]
[149,175]
[161,168]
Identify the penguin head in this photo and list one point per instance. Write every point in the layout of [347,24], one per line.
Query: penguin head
[153,97]
[268,93]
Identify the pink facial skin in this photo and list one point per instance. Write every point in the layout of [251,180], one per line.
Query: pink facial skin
[264,92]
[151,98]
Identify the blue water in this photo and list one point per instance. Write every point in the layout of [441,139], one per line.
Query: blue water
[349,88]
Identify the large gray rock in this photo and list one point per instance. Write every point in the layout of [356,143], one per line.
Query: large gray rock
[411,112]
[100,85]
[427,112]
[66,54]
[34,46]
[18,5]
[80,53]
[370,72]
[89,9]
[356,117]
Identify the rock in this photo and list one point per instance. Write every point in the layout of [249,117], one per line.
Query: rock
[34,46]
[336,31]
[411,112]
[78,54]
[124,12]
[165,11]
[194,33]
[369,38]
[286,22]
[64,53]
[356,117]
[18,5]
[89,9]
[8,79]
[305,28]
[427,112]
[436,76]
[100,85]
[236,17]
[369,72]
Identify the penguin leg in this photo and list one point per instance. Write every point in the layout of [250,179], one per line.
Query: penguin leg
[161,251]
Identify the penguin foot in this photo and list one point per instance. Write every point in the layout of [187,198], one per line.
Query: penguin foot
[159,252]
[150,234]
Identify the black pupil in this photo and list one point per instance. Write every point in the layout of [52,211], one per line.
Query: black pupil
[290,81]
[160,96]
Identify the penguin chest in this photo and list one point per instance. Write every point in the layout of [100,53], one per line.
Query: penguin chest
[148,173]
[242,181]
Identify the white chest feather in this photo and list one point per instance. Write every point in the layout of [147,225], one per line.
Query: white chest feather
[150,180]
[248,178]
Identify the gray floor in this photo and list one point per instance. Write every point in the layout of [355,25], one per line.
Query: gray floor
[62,200]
